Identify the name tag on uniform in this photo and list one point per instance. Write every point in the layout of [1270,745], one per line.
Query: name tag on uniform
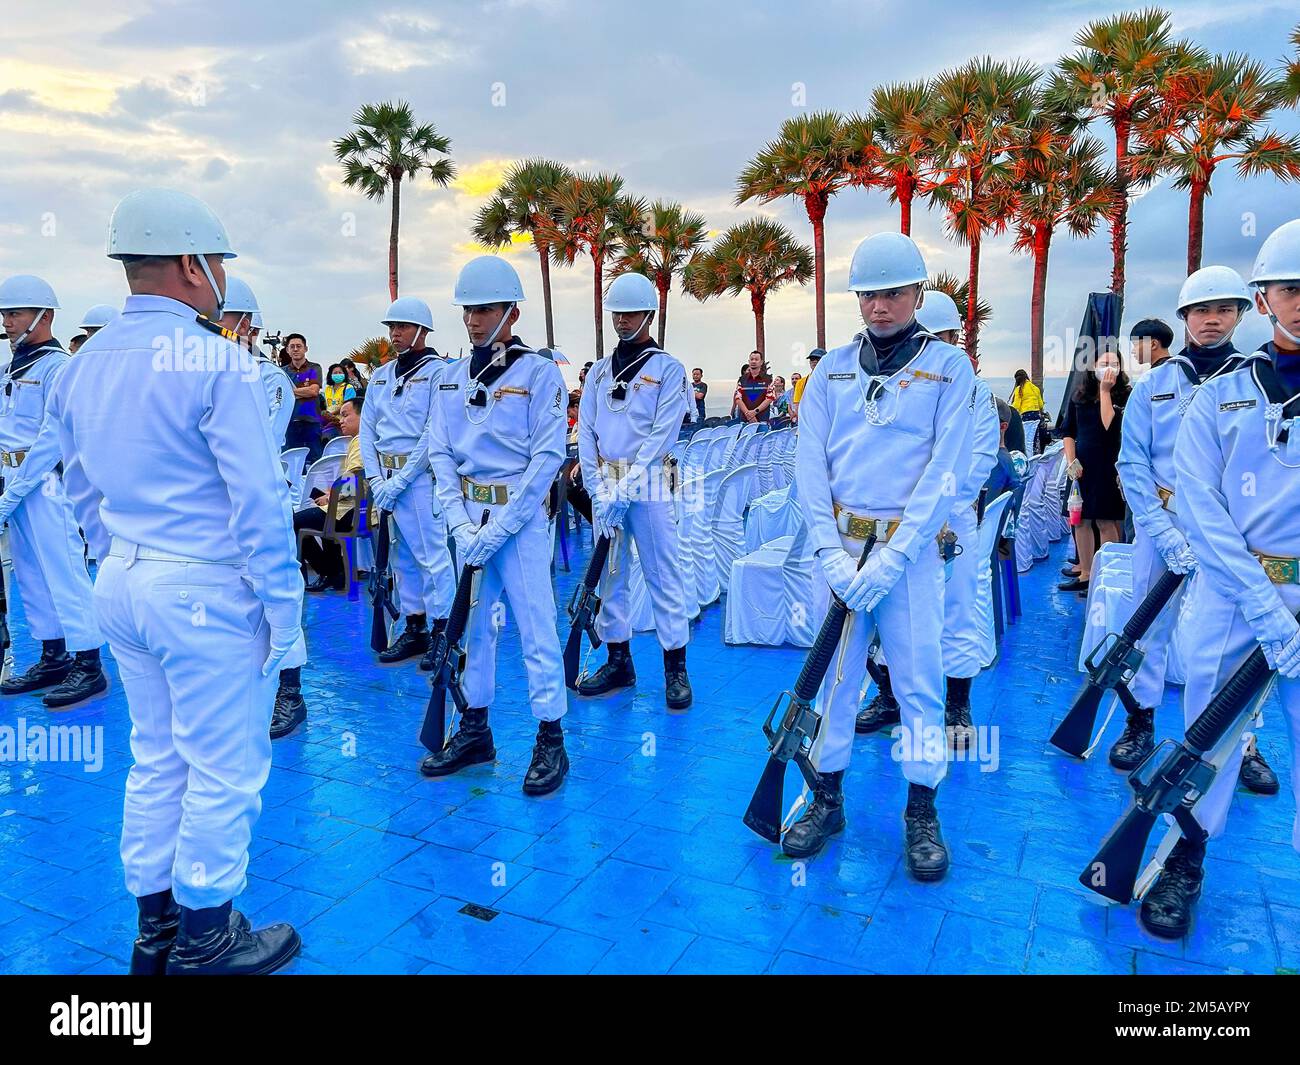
[1239,404]
[842,376]
[448,388]
[1163,395]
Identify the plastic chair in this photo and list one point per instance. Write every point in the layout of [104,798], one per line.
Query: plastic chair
[727,525]
[704,546]
[349,540]
[988,540]
[320,475]
[294,461]
[337,446]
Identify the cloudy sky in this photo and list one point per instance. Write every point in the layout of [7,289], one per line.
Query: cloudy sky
[239,102]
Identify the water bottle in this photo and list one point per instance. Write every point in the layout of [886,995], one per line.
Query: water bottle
[1076,504]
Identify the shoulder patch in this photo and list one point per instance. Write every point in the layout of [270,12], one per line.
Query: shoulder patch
[558,407]
[1239,404]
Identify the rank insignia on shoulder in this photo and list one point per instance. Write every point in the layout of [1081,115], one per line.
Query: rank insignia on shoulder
[448,388]
[932,376]
[1239,404]
[842,376]
[1162,396]
[215,327]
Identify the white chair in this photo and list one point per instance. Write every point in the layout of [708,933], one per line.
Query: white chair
[337,446]
[806,595]
[756,610]
[985,539]
[718,447]
[771,516]
[740,445]
[704,547]
[321,474]
[293,461]
[728,523]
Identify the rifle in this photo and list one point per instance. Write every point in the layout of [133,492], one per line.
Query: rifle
[1170,780]
[1120,660]
[797,732]
[583,608]
[449,662]
[6,644]
[381,596]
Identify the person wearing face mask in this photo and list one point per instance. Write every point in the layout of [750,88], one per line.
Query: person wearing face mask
[198,587]
[241,314]
[395,448]
[496,445]
[1237,488]
[1211,303]
[48,556]
[886,425]
[336,391]
[628,420]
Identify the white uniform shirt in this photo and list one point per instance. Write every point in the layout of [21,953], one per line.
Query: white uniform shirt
[396,424]
[986,439]
[23,422]
[280,399]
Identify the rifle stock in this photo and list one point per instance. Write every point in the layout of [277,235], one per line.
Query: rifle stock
[583,608]
[381,601]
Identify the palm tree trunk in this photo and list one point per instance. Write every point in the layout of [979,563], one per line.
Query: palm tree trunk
[663,311]
[758,300]
[1119,211]
[1196,225]
[817,216]
[544,252]
[972,287]
[1042,245]
[392,237]
[906,188]
[598,275]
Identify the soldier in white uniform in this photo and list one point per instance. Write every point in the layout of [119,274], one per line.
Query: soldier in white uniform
[1237,486]
[49,559]
[885,431]
[629,417]
[497,443]
[1212,303]
[198,587]
[395,448]
[96,318]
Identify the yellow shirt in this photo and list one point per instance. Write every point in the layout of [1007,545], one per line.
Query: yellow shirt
[352,463]
[1027,397]
[798,389]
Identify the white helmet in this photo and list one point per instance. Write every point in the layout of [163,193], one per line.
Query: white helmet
[98,316]
[631,292]
[1213,283]
[27,290]
[487,279]
[1279,256]
[885,261]
[257,320]
[411,310]
[239,297]
[938,313]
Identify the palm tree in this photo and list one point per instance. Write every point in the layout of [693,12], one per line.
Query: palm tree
[1293,71]
[660,249]
[808,161]
[758,257]
[385,147]
[1068,186]
[959,290]
[518,208]
[903,159]
[1119,71]
[590,215]
[373,353]
[979,123]
[1211,112]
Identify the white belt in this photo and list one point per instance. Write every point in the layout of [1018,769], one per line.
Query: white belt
[132,552]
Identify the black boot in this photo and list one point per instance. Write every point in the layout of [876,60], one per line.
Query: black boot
[956,714]
[211,943]
[926,856]
[160,918]
[1167,907]
[677,685]
[53,668]
[320,584]
[614,674]
[823,818]
[290,707]
[84,681]
[471,745]
[1257,775]
[550,763]
[439,627]
[1136,741]
[413,641]
[882,711]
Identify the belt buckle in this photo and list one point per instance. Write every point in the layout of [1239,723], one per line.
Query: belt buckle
[1281,570]
[860,528]
[481,493]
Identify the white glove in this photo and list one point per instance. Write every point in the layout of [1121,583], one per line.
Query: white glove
[288,649]
[1276,632]
[840,569]
[877,576]
[386,494]
[1176,551]
[8,503]
[615,512]
[463,534]
[487,541]
[1288,659]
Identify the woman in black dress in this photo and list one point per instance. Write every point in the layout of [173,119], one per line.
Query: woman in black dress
[1091,435]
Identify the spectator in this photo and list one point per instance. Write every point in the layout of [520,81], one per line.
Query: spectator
[1151,339]
[574,398]
[1091,433]
[1012,427]
[336,391]
[1027,399]
[753,391]
[781,397]
[701,387]
[1003,477]
[325,557]
[74,345]
[355,377]
[306,423]
[814,357]
[582,375]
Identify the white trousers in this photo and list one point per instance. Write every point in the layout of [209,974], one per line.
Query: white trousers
[1223,641]
[962,640]
[653,525]
[910,622]
[190,640]
[521,572]
[426,583]
[50,567]
[1148,685]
